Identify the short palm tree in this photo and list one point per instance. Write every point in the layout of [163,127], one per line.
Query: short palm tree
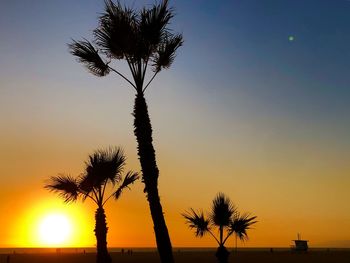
[226,218]
[103,168]
[145,42]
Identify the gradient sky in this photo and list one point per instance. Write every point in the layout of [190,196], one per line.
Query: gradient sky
[243,110]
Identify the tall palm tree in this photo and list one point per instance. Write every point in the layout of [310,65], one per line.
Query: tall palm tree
[103,167]
[142,39]
[224,216]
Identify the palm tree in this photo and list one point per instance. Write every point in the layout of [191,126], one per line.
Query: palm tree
[103,167]
[226,218]
[143,39]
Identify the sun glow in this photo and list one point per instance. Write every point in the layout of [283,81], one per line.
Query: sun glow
[55,229]
[49,222]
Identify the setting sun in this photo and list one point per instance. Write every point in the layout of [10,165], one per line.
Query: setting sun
[51,223]
[55,229]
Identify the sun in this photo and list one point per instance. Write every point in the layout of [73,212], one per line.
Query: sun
[55,230]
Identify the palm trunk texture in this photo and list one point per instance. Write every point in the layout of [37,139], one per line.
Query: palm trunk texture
[150,173]
[101,237]
[222,254]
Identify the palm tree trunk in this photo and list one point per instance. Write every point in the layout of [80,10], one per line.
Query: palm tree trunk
[222,254]
[221,230]
[101,236]
[150,173]
[236,242]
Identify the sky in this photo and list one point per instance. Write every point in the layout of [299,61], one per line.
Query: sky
[256,105]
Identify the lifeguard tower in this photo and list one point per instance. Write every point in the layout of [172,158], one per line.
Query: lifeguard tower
[300,245]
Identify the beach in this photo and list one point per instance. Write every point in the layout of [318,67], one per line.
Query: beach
[336,256]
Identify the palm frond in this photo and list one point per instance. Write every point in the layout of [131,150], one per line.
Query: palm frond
[166,52]
[88,55]
[117,31]
[153,24]
[102,167]
[222,210]
[86,184]
[66,187]
[129,179]
[197,221]
[240,224]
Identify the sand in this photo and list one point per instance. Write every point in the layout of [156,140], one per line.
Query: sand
[188,257]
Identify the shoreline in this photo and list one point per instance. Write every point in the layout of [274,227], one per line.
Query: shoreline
[80,250]
[185,257]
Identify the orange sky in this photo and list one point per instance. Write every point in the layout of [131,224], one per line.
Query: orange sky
[190,177]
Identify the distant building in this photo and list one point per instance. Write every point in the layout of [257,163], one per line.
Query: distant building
[300,245]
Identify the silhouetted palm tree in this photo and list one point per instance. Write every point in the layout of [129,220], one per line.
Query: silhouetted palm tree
[144,41]
[103,167]
[226,218]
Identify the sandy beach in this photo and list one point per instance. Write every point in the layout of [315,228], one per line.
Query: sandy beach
[188,257]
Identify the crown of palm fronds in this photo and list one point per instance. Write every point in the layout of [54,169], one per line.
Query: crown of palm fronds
[88,55]
[240,224]
[103,166]
[197,221]
[222,210]
[141,38]
[65,185]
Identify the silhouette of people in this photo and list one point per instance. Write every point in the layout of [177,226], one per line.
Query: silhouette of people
[8,259]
